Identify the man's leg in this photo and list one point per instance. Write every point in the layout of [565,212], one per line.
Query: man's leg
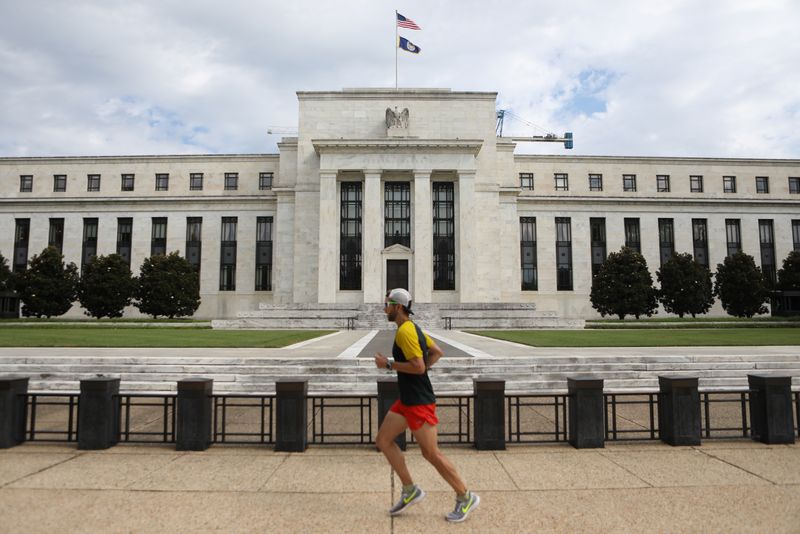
[427,437]
[393,425]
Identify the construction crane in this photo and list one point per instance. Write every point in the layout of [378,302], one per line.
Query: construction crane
[547,138]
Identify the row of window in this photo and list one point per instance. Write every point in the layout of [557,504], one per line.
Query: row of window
[158,245]
[526,182]
[397,230]
[666,237]
[127,182]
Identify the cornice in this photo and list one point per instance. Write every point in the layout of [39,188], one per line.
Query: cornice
[394,144]
[136,159]
[665,160]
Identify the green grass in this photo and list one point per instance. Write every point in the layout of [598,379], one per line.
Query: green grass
[649,338]
[162,337]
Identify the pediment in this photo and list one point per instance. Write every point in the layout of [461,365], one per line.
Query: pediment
[397,248]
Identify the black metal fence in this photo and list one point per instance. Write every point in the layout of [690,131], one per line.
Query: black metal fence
[353,420]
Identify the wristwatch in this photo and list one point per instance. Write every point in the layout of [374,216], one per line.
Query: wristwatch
[389,364]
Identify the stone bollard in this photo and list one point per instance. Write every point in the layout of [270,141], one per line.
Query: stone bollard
[291,421]
[13,410]
[489,415]
[586,412]
[388,393]
[679,410]
[98,413]
[193,424]
[771,417]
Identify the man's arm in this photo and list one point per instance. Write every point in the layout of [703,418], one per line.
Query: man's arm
[414,367]
[434,353]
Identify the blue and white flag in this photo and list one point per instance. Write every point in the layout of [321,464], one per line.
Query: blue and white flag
[408,46]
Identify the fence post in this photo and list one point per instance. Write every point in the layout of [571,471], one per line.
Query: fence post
[193,425]
[291,424]
[679,410]
[489,414]
[771,418]
[388,393]
[98,413]
[586,412]
[13,410]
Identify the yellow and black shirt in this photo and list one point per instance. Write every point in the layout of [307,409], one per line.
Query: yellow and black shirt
[408,344]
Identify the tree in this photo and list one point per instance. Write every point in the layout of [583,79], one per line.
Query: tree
[789,275]
[5,273]
[623,286]
[685,286]
[168,286]
[740,286]
[48,287]
[106,286]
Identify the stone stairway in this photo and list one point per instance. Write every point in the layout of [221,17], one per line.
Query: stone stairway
[358,375]
[370,317]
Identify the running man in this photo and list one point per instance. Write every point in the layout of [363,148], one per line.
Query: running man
[414,353]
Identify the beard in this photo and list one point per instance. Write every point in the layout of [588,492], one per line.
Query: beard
[391,316]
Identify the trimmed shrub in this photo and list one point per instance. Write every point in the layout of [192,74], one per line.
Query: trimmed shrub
[740,286]
[48,287]
[686,286]
[623,286]
[168,286]
[106,286]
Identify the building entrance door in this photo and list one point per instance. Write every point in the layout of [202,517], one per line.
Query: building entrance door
[396,274]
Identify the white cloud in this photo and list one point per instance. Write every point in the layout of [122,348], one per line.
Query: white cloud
[628,78]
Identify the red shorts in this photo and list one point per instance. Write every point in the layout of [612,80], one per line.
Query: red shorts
[416,415]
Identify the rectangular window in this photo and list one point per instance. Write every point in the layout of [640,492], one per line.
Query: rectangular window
[662,183]
[264,254]
[194,241]
[25,183]
[231,181]
[767,238]
[562,182]
[696,184]
[762,184]
[527,245]
[563,254]
[597,230]
[444,236]
[397,214]
[629,182]
[227,257]
[632,236]
[526,181]
[728,184]
[93,182]
[350,236]
[796,233]
[125,238]
[22,233]
[794,185]
[162,182]
[265,181]
[666,239]
[595,182]
[700,241]
[127,182]
[158,236]
[59,183]
[733,233]
[55,237]
[196,181]
[89,245]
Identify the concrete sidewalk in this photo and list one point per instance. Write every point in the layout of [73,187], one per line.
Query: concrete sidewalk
[721,486]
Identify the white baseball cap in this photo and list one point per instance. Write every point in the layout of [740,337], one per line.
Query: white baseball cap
[400,296]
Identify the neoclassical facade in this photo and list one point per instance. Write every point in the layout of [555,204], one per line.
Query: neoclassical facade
[408,187]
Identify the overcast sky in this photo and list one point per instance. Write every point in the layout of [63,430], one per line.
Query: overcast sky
[628,77]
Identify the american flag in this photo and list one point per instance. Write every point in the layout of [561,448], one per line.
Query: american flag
[407,23]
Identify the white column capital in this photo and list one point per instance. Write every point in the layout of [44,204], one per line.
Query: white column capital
[372,174]
[327,174]
[466,174]
[422,174]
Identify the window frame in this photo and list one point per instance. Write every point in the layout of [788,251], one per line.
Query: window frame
[231,181]
[762,185]
[162,181]
[59,183]
[629,180]
[595,182]
[127,182]
[728,184]
[526,181]
[93,183]
[662,183]
[695,183]
[196,181]
[563,178]
[265,181]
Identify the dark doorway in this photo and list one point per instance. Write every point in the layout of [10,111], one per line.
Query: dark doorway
[396,274]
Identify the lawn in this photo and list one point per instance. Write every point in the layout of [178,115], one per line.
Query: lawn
[162,337]
[649,338]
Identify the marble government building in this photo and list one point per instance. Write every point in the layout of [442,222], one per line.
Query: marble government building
[411,187]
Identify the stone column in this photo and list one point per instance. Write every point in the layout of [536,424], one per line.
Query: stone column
[423,237]
[283,248]
[328,237]
[466,252]
[372,235]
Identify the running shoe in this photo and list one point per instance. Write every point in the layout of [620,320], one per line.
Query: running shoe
[463,509]
[407,499]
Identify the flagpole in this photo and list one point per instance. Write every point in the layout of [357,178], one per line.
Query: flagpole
[395,50]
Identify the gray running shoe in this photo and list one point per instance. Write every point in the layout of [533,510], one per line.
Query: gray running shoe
[406,500]
[463,509]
